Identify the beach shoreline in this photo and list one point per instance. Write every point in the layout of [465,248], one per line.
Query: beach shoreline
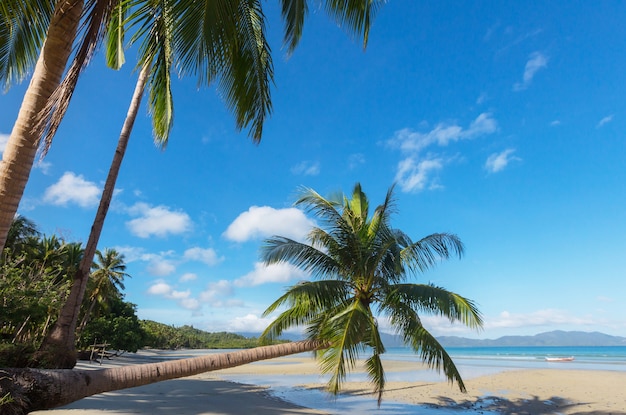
[259,388]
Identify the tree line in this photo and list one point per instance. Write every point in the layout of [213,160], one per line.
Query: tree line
[35,277]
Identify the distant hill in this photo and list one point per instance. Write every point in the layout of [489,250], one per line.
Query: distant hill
[551,338]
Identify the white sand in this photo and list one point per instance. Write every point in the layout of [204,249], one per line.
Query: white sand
[546,391]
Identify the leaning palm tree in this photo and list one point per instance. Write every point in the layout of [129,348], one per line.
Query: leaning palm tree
[232,47]
[362,265]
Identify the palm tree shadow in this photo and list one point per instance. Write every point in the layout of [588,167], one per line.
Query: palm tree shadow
[532,406]
[190,396]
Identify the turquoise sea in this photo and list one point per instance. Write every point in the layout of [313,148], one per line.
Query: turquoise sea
[471,362]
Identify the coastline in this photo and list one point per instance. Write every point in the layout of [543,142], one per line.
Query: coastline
[292,385]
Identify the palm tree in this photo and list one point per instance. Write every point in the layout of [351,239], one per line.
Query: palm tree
[361,265]
[42,34]
[231,47]
[105,282]
[27,390]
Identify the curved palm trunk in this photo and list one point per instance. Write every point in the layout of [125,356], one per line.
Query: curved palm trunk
[58,348]
[21,148]
[46,389]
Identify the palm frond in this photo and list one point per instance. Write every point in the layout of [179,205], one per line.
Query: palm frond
[354,15]
[97,17]
[293,13]
[438,301]
[407,323]
[345,333]
[23,27]
[305,301]
[114,40]
[427,252]
[310,259]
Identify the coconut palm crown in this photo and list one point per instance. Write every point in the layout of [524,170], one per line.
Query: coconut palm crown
[360,267]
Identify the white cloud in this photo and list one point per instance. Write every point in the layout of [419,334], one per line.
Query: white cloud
[208,255]
[131,253]
[604,121]
[306,168]
[410,141]
[249,323]
[183,298]
[161,267]
[189,276]
[157,221]
[4,139]
[414,175]
[555,123]
[262,274]
[415,172]
[498,161]
[44,166]
[218,294]
[535,62]
[265,221]
[72,188]
[160,288]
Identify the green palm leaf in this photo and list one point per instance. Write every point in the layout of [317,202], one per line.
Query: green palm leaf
[23,27]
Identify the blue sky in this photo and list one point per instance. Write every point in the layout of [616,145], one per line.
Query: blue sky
[499,122]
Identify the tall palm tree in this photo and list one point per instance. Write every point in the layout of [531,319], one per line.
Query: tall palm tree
[41,34]
[361,266]
[232,47]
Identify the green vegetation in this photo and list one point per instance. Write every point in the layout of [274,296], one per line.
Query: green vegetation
[162,336]
[35,278]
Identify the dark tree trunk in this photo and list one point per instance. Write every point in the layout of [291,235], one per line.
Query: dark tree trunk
[35,389]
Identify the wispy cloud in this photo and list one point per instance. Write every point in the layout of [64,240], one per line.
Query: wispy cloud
[306,168]
[157,221]
[219,294]
[264,274]
[73,188]
[604,121]
[355,160]
[189,276]
[535,62]
[545,317]
[208,255]
[415,172]
[416,175]
[160,267]
[555,123]
[264,221]
[443,134]
[499,161]
[183,298]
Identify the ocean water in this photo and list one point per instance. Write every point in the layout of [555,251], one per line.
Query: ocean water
[471,362]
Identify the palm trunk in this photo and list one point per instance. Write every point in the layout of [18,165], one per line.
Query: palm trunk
[21,148]
[32,389]
[58,348]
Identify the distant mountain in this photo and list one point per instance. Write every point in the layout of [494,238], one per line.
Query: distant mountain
[551,338]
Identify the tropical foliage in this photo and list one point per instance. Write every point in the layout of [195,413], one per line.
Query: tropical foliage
[163,336]
[361,267]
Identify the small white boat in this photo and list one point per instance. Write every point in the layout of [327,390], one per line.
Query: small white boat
[559,359]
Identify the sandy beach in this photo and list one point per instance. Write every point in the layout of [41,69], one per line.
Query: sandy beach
[545,391]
